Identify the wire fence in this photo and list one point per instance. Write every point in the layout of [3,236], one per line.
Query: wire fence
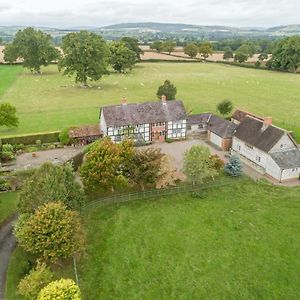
[155,193]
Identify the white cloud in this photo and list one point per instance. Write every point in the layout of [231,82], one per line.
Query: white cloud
[64,13]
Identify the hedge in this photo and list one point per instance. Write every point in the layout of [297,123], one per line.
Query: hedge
[47,137]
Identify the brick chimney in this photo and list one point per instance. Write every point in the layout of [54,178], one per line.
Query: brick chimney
[268,121]
[124,101]
[164,99]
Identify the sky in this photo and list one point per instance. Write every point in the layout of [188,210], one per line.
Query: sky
[80,13]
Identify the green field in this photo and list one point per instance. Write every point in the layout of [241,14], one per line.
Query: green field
[52,101]
[8,74]
[238,242]
[8,205]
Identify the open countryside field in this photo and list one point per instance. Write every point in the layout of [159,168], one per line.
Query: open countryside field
[237,242]
[52,101]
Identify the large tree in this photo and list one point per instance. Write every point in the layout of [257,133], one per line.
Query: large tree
[156,45]
[197,164]
[225,107]
[133,44]
[121,58]
[85,55]
[240,56]
[206,50]
[8,115]
[168,46]
[167,89]
[191,49]
[50,183]
[102,168]
[286,55]
[52,233]
[33,47]
[227,53]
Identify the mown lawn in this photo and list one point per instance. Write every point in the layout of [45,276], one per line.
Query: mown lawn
[52,101]
[8,75]
[8,205]
[239,242]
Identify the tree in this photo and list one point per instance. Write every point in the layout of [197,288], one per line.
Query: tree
[1,41]
[167,89]
[286,54]
[133,45]
[263,56]
[227,53]
[156,45]
[85,55]
[225,107]
[144,168]
[53,232]
[191,49]
[33,47]
[8,115]
[63,289]
[240,57]
[121,57]
[234,166]
[206,50]
[168,46]
[102,168]
[197,164]
[30,286]
[50,183]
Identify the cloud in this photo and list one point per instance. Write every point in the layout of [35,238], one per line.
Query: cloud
[66,13]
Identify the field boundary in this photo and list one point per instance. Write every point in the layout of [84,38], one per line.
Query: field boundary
[154,193]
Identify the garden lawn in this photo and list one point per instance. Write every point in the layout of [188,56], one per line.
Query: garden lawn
[52,101]
[8,75]
[8,205]
[239,242]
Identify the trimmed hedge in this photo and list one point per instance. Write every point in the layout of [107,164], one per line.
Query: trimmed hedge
[47,137]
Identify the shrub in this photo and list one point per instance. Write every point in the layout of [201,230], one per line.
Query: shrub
[53,232]
[31,284]
[169,140]
[234,166]
[225,107]
[4,185]
[218,163]
[50,183]
[7,153]
[63,289]
[38,143]
[64,137]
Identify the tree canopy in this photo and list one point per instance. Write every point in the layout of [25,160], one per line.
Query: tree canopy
[85,55]
[286,54]
[121,58]
[191,49]
[225,107]
[167,89]
[198,165]
[133,45]
[33,47]
[8,115]
[168,46]
[227,53]
[53,232]
[50,183]
[157,45]
[234,166]
[206,50]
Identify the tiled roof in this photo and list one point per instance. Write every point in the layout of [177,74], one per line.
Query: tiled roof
[257,134]
[85,131]
[198,119]
[221,127]
[148,112]
[240,115]
[287,159]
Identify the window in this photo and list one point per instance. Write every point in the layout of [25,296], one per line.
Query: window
[295,170]
[239,147]
[249,147]
[258,158]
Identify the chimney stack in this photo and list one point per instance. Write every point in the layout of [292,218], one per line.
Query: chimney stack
[124,101]
[164,99]
[268,121]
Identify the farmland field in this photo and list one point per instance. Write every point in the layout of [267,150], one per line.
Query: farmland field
[52,101]
[237,242]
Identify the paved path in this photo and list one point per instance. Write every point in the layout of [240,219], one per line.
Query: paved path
[27,161]
[7,245]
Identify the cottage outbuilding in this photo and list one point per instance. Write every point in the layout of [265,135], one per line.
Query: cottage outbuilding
[269,149]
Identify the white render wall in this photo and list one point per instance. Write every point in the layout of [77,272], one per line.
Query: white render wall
[103,127]
[176,129]
[273,169]
[215,139]
[257,156]
[284,143]
[293,173]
